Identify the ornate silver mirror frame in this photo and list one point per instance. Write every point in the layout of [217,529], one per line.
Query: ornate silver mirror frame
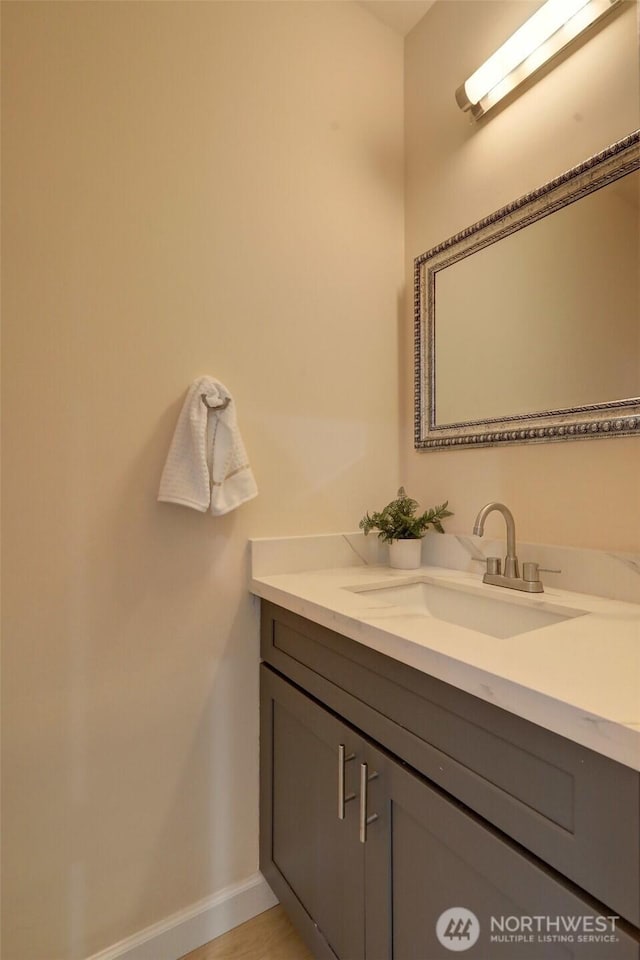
[619,417]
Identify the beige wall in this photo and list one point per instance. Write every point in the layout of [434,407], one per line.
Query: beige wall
[581,493]
[187,189]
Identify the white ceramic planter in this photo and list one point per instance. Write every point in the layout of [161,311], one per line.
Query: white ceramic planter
[405,554]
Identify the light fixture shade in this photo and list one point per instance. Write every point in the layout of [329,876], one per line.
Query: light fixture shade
[541,37]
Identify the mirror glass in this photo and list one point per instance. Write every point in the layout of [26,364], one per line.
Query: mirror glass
[528,324]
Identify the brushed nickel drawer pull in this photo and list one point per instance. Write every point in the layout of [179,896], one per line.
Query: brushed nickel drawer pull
[342,799]
[365,779]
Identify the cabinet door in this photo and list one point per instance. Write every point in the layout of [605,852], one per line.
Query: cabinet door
[425,854]
[311,857]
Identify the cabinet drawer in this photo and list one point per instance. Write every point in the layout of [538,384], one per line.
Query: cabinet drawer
[575,809]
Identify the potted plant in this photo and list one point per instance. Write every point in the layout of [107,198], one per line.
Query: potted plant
[400,526]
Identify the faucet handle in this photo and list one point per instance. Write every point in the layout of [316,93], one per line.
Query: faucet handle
[493,564]
[531,571]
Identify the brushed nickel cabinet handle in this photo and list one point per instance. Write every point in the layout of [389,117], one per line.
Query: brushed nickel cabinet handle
[342,799]
[365,779]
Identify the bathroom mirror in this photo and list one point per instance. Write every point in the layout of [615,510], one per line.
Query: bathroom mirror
[527,324]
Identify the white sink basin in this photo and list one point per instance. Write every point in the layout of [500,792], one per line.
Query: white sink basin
[497,617]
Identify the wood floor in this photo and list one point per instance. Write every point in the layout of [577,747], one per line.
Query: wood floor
[269,936]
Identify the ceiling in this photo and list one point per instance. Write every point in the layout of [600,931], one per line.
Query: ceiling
[400,15]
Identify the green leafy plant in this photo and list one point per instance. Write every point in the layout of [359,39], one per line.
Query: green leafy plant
[399,520]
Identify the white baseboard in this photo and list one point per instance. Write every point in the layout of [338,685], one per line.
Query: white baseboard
[190,928]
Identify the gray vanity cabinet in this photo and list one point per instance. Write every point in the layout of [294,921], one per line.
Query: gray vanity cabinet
[378,895]
[310,850]
[427,854]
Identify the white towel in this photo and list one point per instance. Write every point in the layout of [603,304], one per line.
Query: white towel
[207,466]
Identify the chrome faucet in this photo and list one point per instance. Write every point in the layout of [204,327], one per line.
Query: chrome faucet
[511,560]
[530,581]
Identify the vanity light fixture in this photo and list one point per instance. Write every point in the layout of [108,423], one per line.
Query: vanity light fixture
[541,37]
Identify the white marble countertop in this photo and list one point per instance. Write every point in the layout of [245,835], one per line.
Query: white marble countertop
[579,677]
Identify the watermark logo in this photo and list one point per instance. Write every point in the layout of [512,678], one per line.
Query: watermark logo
[589,928]
[457,928]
